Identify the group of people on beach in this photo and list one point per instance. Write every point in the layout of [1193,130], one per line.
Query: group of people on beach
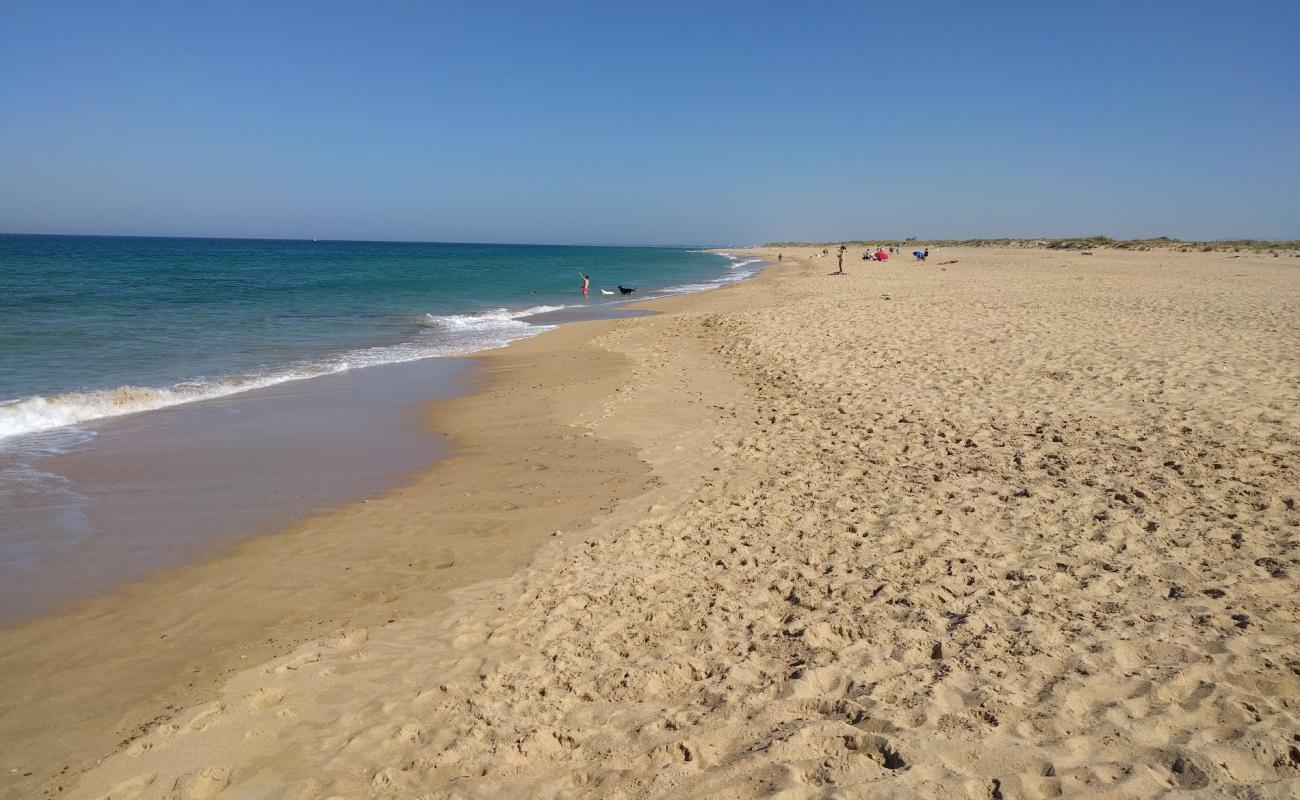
[881,254]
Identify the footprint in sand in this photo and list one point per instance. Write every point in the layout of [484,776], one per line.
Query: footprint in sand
[876,748]
[385,781]
[167,730]
[673,753]
[201,784]
[298,662]
[411,733]
[139,747]
[350,639]
[205,718]
[265,698]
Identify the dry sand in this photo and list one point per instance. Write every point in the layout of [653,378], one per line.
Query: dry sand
[1022,525]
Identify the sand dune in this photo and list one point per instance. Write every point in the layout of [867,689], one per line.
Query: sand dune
[1023,525]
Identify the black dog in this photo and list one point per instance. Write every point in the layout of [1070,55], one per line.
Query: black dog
[624,290]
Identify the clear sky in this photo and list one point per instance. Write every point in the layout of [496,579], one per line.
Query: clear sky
[664,122]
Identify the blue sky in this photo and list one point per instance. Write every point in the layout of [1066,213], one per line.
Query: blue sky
[691,122]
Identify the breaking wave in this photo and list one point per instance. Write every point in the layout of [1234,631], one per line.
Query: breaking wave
[441,335]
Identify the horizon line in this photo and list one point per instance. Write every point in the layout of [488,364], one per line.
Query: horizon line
[349,241]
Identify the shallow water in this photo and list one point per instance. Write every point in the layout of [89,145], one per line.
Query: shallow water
[154,490]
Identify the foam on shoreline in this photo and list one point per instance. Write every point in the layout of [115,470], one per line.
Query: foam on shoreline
[439,336]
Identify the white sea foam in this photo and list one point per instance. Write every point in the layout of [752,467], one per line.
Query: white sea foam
[497,319]
[445,335]
[741,268]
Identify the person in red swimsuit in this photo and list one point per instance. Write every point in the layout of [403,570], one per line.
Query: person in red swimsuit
[586,283]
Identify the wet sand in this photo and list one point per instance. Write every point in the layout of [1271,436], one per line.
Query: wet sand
[595,312]
[159,489]
[162,488]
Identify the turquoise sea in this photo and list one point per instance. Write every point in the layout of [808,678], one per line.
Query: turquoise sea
[92,327]
[160,396]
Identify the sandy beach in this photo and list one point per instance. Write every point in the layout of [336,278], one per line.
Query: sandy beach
[1012,523]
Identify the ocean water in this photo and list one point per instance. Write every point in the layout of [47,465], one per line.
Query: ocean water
[159,397]
[94,327]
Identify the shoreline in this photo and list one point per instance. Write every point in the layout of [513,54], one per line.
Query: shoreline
[159,660]
[175,485]
[36,421]
[170,486]
[162,476]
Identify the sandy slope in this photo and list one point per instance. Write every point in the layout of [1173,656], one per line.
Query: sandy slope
[1019,526]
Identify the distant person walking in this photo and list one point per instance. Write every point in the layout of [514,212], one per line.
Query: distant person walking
[841,269]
